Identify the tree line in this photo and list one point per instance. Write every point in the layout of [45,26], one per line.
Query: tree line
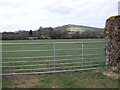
[51,33]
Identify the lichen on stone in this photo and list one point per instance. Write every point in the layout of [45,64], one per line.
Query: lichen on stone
[112,17]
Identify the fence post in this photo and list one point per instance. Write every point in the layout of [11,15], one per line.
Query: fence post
[82,54]
[54,56]
[1,61]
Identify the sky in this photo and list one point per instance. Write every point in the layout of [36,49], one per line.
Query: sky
[31,14]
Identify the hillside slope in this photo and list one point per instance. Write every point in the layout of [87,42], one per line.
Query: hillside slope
[71,27]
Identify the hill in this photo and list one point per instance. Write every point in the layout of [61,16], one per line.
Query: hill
[74,28]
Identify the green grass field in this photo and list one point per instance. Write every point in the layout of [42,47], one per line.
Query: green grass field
[65,80]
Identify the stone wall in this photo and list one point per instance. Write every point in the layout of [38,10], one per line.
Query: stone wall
[112,36]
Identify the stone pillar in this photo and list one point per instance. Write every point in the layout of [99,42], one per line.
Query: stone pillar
[112,36]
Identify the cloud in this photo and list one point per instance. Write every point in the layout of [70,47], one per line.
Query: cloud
[30,14]
[61,9]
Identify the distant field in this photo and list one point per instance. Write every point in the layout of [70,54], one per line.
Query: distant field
[54,40]
[81,79]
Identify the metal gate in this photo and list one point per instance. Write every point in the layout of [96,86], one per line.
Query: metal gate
[51,57]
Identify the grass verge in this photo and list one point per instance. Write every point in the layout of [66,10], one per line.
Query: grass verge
[82,79]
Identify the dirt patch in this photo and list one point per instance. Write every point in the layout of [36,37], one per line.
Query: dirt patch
[111,74]
[26,81]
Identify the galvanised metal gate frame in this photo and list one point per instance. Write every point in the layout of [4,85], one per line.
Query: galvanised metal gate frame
[68,67]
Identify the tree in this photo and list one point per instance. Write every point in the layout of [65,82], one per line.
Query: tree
[30,33]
